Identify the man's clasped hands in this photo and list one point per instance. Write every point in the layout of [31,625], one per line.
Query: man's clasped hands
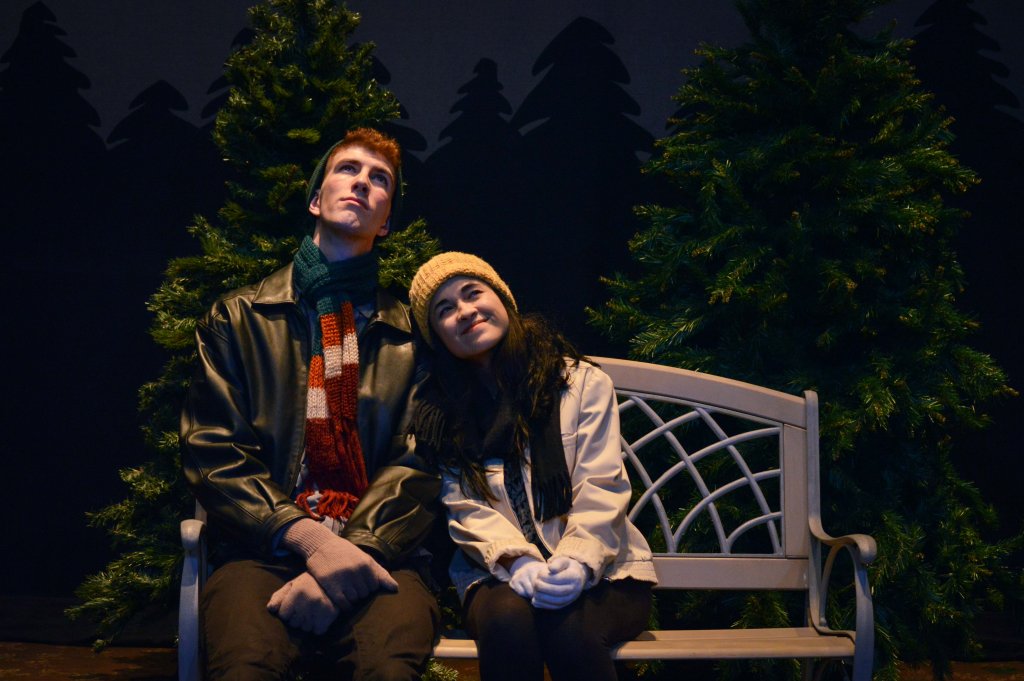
[338,576]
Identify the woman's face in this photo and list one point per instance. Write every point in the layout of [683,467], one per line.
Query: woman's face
[469,319]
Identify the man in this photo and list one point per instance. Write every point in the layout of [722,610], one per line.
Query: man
[293,440]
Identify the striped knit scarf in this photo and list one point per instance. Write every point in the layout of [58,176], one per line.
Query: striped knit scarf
[334,454]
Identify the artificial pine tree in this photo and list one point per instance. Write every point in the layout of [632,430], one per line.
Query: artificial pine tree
[295,89]
[808,245]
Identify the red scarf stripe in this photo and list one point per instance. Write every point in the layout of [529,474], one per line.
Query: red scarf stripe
[349,469]
[349,397]
[331,332]
[350,373]
[333,450]
[319,434]
[349,401]
[338,372]
[316,398]
[335,397]
[316,372]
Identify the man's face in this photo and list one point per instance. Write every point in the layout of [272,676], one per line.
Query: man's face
[354,201]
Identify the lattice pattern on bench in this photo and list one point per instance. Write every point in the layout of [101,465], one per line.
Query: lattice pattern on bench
[720,459]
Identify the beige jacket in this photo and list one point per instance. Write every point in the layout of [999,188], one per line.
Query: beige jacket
[595,531]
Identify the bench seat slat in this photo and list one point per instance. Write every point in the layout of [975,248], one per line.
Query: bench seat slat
[796,642]
[734,644]
[730,572]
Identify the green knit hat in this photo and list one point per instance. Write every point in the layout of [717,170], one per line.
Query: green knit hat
[317,179]
[439,269]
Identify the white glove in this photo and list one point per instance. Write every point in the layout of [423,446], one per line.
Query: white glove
[525,571]
[562,584]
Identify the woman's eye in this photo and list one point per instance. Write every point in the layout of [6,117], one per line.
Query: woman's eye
[381,179]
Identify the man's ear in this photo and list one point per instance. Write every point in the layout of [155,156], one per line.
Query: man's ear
[314,204]
[385,228]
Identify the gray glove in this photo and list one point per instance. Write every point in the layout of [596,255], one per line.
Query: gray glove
[344,571]
[302,604]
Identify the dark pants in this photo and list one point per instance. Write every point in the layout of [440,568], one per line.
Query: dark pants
[516,640]
[388,637]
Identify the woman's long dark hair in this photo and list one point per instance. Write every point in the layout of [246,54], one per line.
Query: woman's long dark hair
[528,366]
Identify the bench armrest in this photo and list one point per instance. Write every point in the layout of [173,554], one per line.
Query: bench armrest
[862,549]
[193,575]
[193,536]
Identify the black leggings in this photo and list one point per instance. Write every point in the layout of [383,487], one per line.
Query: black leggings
[516,640]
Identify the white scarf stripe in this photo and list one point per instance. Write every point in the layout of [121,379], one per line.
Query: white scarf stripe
[336,358]
[316,403]
[332,361]
[350,348]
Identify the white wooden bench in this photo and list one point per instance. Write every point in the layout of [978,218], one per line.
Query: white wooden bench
[699,449]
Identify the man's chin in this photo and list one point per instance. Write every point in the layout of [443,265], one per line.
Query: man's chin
[344,225]
[342,231]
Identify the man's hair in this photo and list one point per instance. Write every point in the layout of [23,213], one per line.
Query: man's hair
[372,140]
[375,141]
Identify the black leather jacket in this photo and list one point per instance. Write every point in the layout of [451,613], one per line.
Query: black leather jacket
[243,424]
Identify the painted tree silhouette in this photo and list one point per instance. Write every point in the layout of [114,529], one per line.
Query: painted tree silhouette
[475,175]
[581,149]
[164,170]
[958,62]
[949,53]
[53,235]
[47,131]
[414,174]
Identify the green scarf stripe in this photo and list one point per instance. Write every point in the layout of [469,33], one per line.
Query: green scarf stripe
[326,284]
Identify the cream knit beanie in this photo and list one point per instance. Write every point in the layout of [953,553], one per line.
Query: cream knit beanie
[439,269]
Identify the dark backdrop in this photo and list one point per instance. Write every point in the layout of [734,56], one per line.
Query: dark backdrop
[526,126]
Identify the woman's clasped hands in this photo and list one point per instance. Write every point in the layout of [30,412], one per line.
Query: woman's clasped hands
[549,585]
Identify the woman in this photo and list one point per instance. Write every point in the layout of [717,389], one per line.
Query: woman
[526,435]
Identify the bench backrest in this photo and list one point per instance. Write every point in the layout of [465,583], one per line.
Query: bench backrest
[725,473]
